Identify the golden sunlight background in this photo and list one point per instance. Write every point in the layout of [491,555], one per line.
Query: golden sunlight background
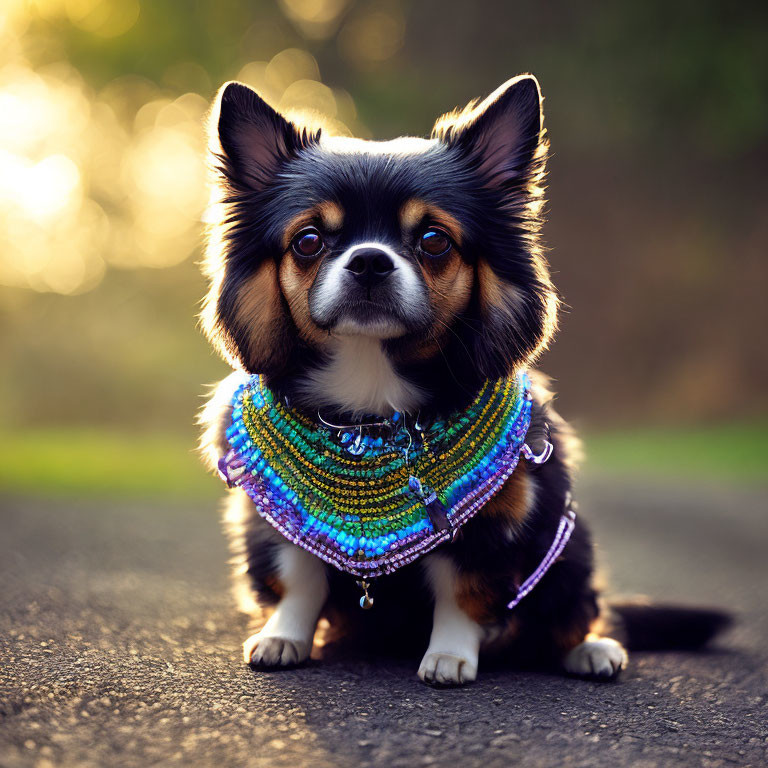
[658,207]
[114,176]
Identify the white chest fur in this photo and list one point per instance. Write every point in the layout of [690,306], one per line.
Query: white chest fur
[360,378]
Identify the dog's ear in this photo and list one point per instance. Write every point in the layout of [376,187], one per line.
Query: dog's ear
[254,139]
[244,313]
[501,135]
[502,140]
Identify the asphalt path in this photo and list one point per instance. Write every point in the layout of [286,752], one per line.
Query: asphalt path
[120,646]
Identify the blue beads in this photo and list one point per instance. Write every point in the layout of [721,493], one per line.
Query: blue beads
[308,466]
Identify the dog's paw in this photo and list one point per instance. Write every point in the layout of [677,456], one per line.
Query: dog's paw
[438,668]
[601,658]
[274,652]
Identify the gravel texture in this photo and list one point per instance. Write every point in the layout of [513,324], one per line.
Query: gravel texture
[119,646]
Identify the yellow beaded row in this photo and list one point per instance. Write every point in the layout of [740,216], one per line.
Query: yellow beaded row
[349,496]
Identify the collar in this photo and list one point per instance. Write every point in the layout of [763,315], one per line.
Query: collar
[370,498]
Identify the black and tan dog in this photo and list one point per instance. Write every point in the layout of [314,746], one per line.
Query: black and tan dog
[365,277]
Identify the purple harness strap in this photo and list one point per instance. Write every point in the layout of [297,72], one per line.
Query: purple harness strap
[564,531]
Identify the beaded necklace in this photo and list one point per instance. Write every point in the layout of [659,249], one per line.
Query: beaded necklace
[371,498]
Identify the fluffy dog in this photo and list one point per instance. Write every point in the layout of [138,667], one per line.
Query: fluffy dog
[365,278]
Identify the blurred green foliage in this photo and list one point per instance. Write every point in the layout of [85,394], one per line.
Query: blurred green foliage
[689,76]
[74,462]
[737,452]
[657,113]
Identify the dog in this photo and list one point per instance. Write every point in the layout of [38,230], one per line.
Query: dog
[364,279]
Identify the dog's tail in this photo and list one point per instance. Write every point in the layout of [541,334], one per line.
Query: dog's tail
[659,627]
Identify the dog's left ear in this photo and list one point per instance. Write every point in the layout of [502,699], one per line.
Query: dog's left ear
[502,134]
[501,140]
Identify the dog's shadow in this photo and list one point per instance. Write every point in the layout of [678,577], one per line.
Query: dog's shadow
[349,658]
[352,697]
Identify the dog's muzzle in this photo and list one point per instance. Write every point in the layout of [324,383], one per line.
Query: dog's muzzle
[372,290]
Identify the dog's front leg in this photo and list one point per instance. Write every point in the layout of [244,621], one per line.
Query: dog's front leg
[451,658]
[286,638]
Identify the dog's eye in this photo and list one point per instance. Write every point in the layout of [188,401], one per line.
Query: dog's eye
[307,243]
[434,242]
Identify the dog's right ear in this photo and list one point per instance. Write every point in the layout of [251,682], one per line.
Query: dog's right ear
[253,139]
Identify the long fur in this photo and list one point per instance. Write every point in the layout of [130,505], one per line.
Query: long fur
[483,309]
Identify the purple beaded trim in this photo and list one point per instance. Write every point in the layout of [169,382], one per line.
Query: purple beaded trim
[285,519]
[411,548]
[564,531]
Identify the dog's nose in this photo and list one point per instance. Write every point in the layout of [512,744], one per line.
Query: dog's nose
[370,266]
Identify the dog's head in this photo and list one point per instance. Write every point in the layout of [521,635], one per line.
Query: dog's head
[427,249]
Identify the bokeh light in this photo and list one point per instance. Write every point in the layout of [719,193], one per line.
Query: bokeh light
[315,18]
[373,36]
[115,176]
[656,182]
[107,18]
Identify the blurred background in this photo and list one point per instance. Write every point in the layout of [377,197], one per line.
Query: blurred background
[658,117]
